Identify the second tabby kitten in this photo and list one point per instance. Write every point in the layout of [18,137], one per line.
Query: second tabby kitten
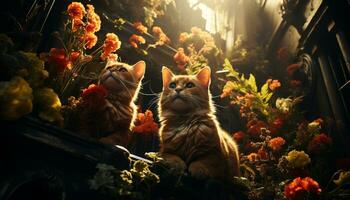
[190,135]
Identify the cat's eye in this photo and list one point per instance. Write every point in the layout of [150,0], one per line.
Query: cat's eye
[172,85]
[190,85]
[122,69]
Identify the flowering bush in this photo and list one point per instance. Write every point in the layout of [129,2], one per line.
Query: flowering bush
[68,61]
[195,50]
[300,188]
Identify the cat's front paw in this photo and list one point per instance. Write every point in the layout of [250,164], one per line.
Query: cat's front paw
[174,162]
[198,170]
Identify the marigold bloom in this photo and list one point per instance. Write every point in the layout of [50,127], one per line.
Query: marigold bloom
[90,40]
[94,96]
[276,143]
[135,40]
[110,45]
[273,84]
[140,27]
[299,188]
[263,155]
[94,21]
[181,59]
[319,144]
[145,123]
[162,37]
[298,159]
[226,92]
[77,24]
[76,10]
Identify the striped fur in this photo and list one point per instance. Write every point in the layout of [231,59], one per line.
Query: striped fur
[190,135]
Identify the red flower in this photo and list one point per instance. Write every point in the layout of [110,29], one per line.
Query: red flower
[145,123]
[58,58]
[275,125]
[319,144]
[299,188]
[111,44]
[135,40]
[94,96]
[74,56]
[90,40]
[140,27]
[181,59]
[292,68]
[295,83]
[254,127]
[238,136]
[76,10]
[94,21]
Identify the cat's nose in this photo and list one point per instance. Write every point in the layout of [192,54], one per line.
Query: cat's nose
[178,89]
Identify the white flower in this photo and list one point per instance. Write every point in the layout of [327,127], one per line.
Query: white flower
[285,105]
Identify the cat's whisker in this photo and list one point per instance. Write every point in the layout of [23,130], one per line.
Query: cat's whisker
[123,84]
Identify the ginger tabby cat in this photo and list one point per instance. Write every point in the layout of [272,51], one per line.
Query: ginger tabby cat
[190,135]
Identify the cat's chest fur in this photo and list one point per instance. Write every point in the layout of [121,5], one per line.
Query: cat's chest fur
[190,138]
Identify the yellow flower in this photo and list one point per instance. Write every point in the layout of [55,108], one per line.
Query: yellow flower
[35,68]
[298,159]
[48,105]
[15,98]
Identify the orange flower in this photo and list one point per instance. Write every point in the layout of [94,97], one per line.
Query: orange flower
[238,136]
[252,157]
[90,40]
[94,21]
[273,84]
[299,188]
[145,123]
[94,96]
[157,30]
[162,38]
[77,24]
[276,143]
[112,57]
[292,68]
[76,10]
[140,27]
[74,56]
[226,92]
[135,40]
[181,59]
[110,45]
[183,37]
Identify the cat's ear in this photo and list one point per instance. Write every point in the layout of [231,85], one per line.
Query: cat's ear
[167,75]
[203,76]
[139,70]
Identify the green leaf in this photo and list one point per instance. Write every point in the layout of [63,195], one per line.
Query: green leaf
[252,83]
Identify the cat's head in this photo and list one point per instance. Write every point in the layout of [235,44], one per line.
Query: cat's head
[120,78]
[185,94]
